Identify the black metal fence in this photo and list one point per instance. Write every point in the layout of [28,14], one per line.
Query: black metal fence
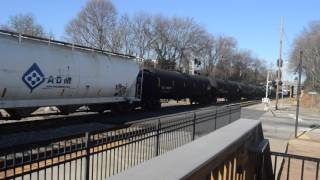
[98,155]
[237,152]
[289,166]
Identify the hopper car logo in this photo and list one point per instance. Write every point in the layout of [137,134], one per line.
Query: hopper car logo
[33,77]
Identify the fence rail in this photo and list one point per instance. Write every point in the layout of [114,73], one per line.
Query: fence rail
[98,155]
[237,151]
[295,166]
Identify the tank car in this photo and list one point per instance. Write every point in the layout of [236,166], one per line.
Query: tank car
[247,91]
[162,84]
[230,90]
[260,92]
[38,72]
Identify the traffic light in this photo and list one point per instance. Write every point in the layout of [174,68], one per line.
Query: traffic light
[274,83]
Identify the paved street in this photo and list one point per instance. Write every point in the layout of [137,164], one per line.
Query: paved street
[278,126]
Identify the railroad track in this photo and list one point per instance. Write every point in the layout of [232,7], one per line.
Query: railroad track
[55,121]
[249,103]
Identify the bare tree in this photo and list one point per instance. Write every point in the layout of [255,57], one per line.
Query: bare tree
[242,60]
[123,36]
[25,24]
[223,53]
[94,25]
[309,42]
[164,52]
[142,33]
[184,39]
[161,42]
[173,41]
[178,41]
[258,72]
[203,53]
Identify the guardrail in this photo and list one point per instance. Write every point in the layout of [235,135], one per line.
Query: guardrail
[97,155]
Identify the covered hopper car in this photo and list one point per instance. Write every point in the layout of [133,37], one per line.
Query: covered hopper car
[37,72]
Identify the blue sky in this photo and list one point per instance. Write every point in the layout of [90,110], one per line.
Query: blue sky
[254,23]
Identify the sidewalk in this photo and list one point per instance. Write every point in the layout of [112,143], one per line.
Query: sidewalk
[278,127]
[307,144]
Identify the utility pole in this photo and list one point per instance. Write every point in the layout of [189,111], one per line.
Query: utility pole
[267,85]
[298,95]
[283,82]
[266,100]
[279,64]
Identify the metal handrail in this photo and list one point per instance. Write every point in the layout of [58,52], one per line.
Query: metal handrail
[284,169]
[294,156]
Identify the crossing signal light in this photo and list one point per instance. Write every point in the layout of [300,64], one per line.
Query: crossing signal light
[274,83]
[279,62]
[197,62]
[196,72]
[279,74]
[280,83]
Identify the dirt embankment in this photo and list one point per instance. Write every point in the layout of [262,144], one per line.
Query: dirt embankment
[310,101]
[307,101]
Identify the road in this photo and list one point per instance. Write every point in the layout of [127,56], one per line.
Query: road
[278,126]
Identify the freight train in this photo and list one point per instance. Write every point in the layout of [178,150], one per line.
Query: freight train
[37,72]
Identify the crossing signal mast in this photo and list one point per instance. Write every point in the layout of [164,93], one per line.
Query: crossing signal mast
[279,64]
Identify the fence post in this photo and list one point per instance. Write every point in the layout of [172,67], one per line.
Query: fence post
[194,126]
[158,137]
[215,119]
[87,165]
[230,113]
[239,109]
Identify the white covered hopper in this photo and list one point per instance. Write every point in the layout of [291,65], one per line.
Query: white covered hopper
[36,72]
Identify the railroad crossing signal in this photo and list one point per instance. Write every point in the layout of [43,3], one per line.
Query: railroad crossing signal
[279,74]
[279,63]
[274,83]
[280,83]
